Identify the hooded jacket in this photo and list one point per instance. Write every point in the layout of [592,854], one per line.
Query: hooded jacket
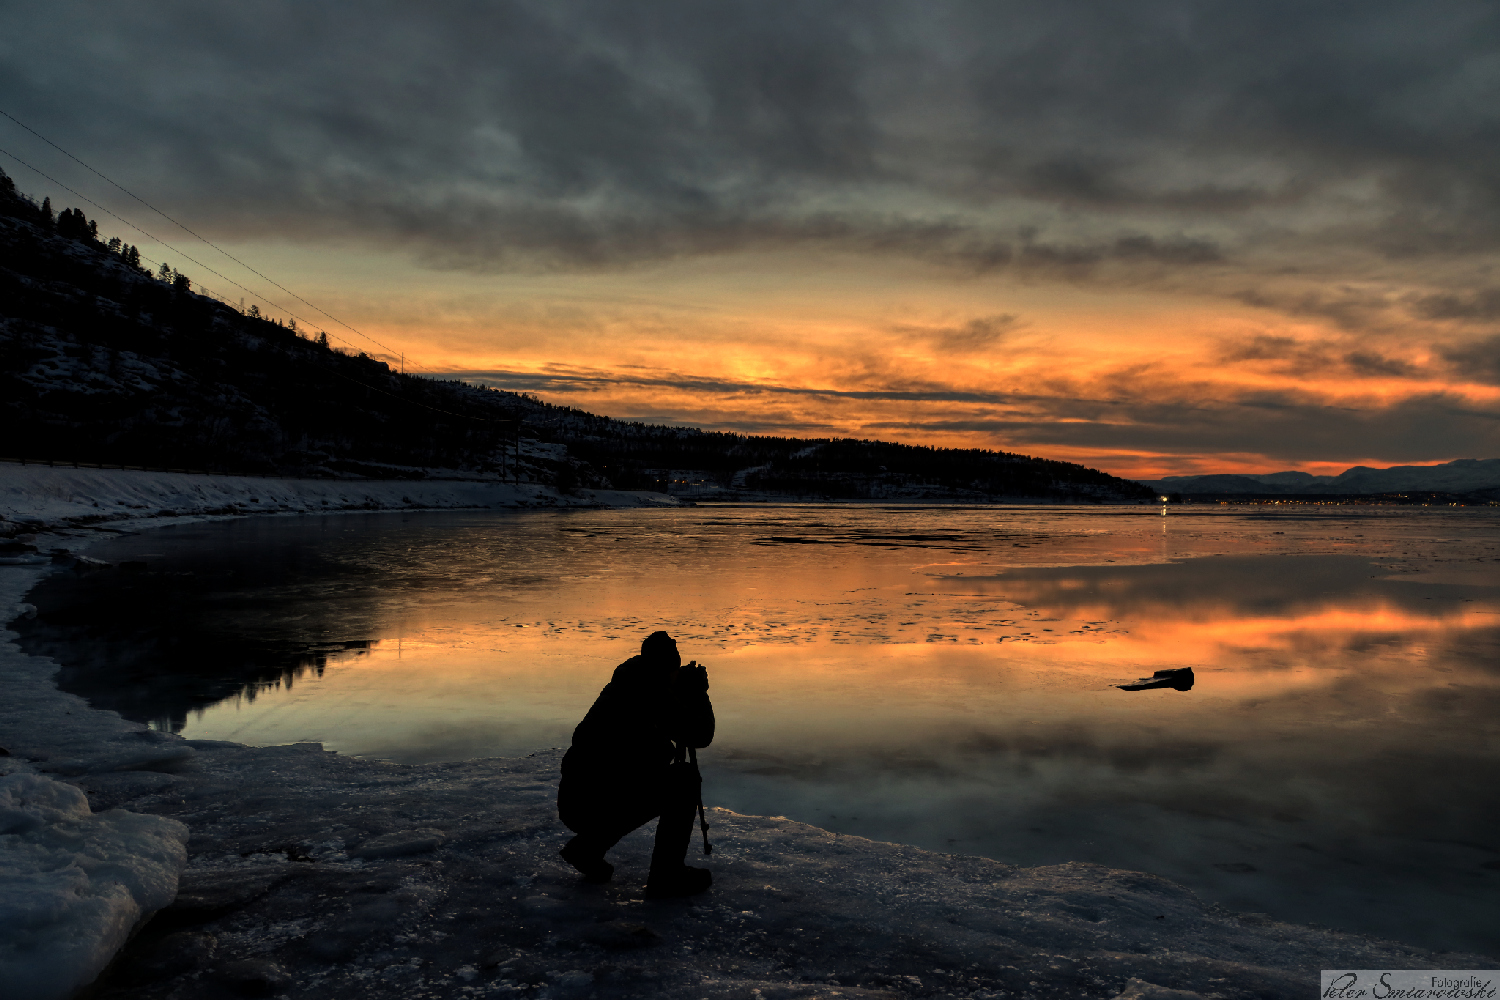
[647,710]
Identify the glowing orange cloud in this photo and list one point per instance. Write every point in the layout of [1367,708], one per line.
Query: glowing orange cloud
[1141,381]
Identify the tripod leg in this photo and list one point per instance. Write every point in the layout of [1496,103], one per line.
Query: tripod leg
[702,813]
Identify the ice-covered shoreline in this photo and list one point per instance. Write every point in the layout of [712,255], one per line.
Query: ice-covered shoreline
[64,497]
[309,874]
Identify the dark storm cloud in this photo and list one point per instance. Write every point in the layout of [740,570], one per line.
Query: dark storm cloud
[1479,361]
[1136,410]
[596,134]
[978,334]
[1483,304]
[1097,185]
[1374,365]
[571,380]
[1281,427]
[1352,309]
[1290,356]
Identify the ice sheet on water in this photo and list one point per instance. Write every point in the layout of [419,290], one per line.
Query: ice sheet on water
[795,912]
[275,896]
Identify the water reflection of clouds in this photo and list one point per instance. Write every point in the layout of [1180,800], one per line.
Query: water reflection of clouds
[1326,765]
[1321,608]
[962,700]
[1353,801]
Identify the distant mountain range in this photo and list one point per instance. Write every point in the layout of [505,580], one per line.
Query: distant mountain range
[1460,476]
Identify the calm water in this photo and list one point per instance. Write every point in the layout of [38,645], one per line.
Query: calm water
[937,676]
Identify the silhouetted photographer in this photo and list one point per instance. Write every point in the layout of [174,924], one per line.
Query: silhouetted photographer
[629,765]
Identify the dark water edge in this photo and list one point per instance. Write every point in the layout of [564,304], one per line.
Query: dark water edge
[199,624]
[155,638]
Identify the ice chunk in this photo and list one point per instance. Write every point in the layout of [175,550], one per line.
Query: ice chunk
[142,749]
[182,951]
[394,845]
[1176,678]
[116,788]
[74,884]
[255,975]
[621,934]
[1139,989]
[569,983]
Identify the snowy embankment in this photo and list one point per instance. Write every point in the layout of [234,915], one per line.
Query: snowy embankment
[312,875]
[86,497]
[74,884]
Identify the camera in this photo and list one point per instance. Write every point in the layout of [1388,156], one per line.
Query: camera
[692,675]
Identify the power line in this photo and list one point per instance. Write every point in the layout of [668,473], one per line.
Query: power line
[386,392]
[164,243]
[210,270]
[204,289]
[461,416]
[185,229]
[154,239]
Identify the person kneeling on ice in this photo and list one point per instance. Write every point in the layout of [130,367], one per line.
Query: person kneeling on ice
[627,766]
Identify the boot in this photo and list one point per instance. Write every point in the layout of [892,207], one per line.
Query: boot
[669,877]
[588,860]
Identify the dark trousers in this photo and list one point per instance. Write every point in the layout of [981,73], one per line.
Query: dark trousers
[603,807]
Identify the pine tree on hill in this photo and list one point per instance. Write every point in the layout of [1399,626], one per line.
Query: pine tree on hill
[75,226]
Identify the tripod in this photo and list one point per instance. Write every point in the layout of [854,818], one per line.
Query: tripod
[702,813]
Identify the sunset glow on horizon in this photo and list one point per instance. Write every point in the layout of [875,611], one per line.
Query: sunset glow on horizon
[1164,240]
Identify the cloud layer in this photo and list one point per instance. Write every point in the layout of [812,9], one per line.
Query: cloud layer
[589,134]
[1321,175]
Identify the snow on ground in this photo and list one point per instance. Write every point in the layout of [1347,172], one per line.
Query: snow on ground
[312,875]
[82,497]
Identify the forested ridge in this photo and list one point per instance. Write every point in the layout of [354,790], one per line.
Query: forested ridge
[103,359]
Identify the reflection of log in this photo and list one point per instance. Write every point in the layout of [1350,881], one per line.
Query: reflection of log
[1176,678]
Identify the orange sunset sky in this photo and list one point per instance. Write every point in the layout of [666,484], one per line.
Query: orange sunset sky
[1153,238]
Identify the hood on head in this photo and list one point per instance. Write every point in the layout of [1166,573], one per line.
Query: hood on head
[660,647]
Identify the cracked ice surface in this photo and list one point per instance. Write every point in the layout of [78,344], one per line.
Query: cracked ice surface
[795,911]
[312,875]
